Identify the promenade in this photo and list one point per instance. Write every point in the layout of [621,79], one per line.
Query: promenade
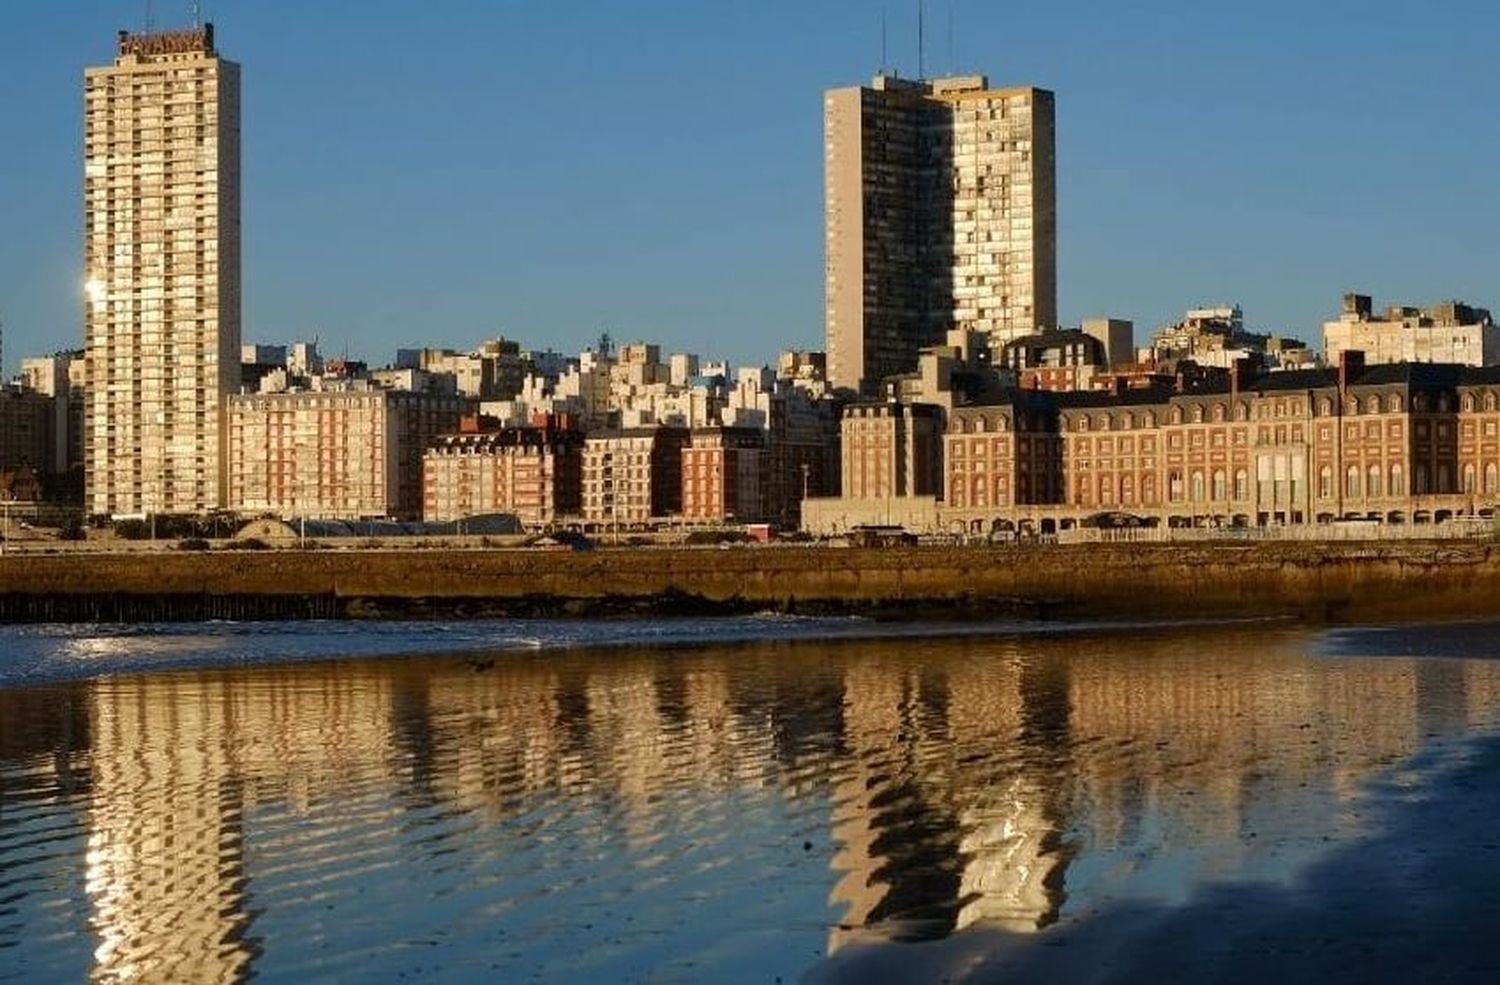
[1356,581]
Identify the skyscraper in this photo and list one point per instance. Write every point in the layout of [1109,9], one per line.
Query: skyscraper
[162,256]
[941,212]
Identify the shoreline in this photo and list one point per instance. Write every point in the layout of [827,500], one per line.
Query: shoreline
[1323,583]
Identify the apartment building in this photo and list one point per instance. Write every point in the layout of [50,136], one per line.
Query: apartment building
[940,213]
[339,453]
[162,260]
[1451,332]
[535,473]
[891,450]
[633,475]
[721,474]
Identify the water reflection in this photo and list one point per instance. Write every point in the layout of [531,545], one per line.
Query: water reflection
[615,813]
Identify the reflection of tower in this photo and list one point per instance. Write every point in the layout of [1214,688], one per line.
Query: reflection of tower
[165,858]
[1014,859]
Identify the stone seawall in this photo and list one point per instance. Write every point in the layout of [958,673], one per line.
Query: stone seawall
[1366,582]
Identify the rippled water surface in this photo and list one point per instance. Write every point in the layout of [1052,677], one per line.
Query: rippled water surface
[782,803]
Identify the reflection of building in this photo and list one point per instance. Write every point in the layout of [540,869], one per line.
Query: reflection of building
[162,251]
[166,843]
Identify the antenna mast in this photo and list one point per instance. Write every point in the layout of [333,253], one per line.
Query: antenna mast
[921,39]
[197,14]
[884,60]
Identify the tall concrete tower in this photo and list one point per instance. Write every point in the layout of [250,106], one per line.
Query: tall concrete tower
[162,256]
[940,213]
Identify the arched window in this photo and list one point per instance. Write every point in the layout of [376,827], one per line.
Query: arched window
[1325,408]
[1393,403]
[1129,420]
[1103,422]
[1197,414]
[1491,479]
[1106,490]
[1469,403]
[1174,487]
[1469,486]
[1419,403]
[1176,415]
[1351,406]
[1489,400]
[1148,490]
[1127,490]
[1372,481]
[1197,487]
[1218,413]
[1150,419]
[1351,482]
[1241,484]
[1221,485]
[1242,411]
[1442,403]
[1398,481]
[1004,423]
[1325,482]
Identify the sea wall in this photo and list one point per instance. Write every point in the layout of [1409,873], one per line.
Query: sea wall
[1317,582]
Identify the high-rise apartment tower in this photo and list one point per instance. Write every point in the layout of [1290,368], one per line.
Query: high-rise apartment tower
[162,256]
[941,213]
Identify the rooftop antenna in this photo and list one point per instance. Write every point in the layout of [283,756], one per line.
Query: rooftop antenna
[921,39]
[952,36]
[884,60]
[197,14]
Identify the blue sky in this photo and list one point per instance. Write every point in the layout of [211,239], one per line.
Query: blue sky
[439,172]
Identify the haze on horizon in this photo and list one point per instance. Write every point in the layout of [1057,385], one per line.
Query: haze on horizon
[416,176]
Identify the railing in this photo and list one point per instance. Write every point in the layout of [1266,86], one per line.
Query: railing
[1452,530]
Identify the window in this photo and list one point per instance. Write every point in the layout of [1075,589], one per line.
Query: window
[1241,484]
[1372,481]
[1221,485]
[1351,482]
[1469,486]
[1174,487]
[1491,479]
[1197,487]
[1325,482]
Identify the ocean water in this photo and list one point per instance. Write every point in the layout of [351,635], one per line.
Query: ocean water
[752,800]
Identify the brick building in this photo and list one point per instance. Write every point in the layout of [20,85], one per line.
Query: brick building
[633,475]
[1393,442]
[891,450]
[343,454]
[535,473]
[721,474]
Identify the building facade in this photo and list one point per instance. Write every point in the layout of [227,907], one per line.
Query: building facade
[1394,443]
[891,450]
[334,454]
[633,475]
[1451,332]
[940,213]
[162,254]
[721,474]
[535,473]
